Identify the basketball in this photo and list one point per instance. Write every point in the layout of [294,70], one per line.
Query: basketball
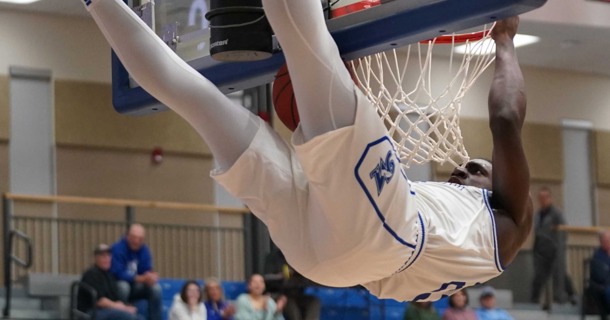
[284,101]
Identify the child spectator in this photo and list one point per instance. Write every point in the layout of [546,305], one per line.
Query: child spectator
[458,307]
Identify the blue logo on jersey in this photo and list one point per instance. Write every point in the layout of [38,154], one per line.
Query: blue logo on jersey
[383,172]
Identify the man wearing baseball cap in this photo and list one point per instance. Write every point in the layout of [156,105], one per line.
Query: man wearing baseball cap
[107,304]
[488,310]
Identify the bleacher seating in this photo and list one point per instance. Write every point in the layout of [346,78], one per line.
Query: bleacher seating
[337,303]
[358,304]
[169,287]
[232,289]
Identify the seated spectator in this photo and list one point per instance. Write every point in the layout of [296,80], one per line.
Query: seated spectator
[488,310]
[599,274]
[254,305]
[458,307]
[217,307]
[421,311]
[188,305]
[284,282]
[107,306]
[132,266]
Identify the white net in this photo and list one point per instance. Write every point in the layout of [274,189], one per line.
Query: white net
[422,114]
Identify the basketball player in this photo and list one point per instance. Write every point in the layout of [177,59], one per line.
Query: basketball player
[336,200]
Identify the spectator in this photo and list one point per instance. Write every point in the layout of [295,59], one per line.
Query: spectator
[132,265]
[188,305]
[284,282]
[599,274]
[549,251]
[256,306]
[421,311]
[488,310]
[458,307]
[107,305]
[217,308]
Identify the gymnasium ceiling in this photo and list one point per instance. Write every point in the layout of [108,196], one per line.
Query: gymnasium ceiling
[575,34]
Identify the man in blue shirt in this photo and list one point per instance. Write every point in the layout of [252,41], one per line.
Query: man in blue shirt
[132,266]
[488,310]
[600,273]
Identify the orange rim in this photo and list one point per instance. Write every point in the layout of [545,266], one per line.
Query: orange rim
[458,38]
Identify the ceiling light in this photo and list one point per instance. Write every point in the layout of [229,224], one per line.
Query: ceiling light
[520,40]
[18,1]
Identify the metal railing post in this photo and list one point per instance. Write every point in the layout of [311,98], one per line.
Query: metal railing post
[130,216]
[6,220]
[248,252]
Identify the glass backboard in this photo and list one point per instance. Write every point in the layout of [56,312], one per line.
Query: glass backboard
[387,24]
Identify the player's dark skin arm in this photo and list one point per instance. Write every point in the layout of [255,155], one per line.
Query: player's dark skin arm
[510,177]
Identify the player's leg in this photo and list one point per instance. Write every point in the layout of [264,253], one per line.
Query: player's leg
[228,129]
[355,183]
[322,85]
[542,265]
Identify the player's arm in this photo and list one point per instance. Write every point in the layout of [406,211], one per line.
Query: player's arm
[507,104]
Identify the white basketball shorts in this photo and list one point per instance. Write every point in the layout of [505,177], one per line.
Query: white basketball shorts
[338,206]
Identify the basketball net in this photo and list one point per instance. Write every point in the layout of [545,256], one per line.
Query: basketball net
[422,116]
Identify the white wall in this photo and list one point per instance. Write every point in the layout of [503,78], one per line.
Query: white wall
[553,95]
[581,13]
[72,47]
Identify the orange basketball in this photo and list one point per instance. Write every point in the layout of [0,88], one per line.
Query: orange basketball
[284,102]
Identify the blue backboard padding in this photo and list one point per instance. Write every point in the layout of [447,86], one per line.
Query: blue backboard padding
[226,75]
[429,20]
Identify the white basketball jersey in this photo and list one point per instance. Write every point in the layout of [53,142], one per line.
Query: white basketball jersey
[459,245]
[344,213]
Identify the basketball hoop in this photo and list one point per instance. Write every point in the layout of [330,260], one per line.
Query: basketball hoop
[460,37]
[422,115]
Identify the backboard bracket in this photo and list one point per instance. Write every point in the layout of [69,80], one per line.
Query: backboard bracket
[146,12]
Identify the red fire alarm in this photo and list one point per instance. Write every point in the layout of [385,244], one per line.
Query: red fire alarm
[157,155]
